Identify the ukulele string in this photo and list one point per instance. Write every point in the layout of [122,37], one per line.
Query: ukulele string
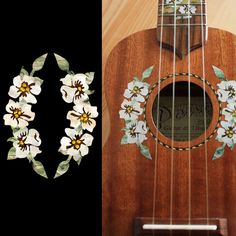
[173,122]
[204,110]
[189,119]
[157,119]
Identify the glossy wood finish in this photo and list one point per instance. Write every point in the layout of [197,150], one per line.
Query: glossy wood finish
[128,177]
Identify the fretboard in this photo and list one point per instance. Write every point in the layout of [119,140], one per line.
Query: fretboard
[182,23]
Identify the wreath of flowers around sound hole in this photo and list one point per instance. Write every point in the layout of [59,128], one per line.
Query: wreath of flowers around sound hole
[26,142]
[136,129]
[75,89]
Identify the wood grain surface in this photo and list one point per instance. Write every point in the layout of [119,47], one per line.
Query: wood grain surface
[121,18]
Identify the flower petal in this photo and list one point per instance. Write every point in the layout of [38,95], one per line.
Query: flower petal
[17,81]
[89,126]
[84,150]
[36,89]
[34,151]
[9,121]
[68,93]
[33,138]
[67,80]
[88,139]
[71,133]
[13,92]
[21,154]
[29,98]
[74,118]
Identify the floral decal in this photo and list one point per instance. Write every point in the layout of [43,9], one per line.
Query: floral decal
[226,133]
[131,111]
[75,89]
[182,7]
[25,142]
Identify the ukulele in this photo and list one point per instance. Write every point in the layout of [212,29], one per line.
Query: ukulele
[169,165]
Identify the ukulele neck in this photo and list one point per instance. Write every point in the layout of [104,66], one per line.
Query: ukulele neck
[182,24]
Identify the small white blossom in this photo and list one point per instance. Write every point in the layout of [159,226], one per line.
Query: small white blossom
[230,112]
[27,142]
[19,114]
[25,87]
[136,131]
[83,115]
[187,9]
[74,88]
[227,91]
[130,110]
[227,133]
[75,144]
[136,91]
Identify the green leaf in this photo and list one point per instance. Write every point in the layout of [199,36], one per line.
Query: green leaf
[145,151]
[38,63]
[231,146]
[219,152]
[23,72]
[147,73]
[136,78]
[62,168]
[38,168]
[89,77]
[79,128]
[11,154]
[11,139]
[79,161]
[89,92]
[124,139]
[62,63]
[15,129]
[219,73]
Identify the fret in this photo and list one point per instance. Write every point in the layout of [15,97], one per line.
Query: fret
[196,14]
[172,25]
[182,4]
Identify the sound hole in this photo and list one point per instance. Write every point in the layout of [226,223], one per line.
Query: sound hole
[181,111]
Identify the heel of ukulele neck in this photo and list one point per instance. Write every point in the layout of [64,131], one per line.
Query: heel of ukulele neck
[145,226]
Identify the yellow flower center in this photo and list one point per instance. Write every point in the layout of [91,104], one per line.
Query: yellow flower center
[84,117]
[17,113]
[136,90]
[129,109]
[79,88]
[21,143]
[234,113]
[230,133]
[76,143]
[25,87]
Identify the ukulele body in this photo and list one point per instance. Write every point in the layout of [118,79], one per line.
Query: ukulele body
[128,177]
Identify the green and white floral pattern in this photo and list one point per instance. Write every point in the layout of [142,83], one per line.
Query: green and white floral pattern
[226,133]
[75,89]
[25,142]
[131,111]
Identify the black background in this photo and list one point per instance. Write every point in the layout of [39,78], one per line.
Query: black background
[30,204]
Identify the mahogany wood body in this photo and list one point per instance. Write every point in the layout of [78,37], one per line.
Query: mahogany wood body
[128,177]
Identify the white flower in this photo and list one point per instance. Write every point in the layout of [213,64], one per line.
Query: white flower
[20,114]
[25,87]
[136,131]
[173,1]
[227,133]
[74,88]
[227,91]
[82,115]
[187,9]
[136,91]
[230,112]
[130,110]
[27,142]
[76,144]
